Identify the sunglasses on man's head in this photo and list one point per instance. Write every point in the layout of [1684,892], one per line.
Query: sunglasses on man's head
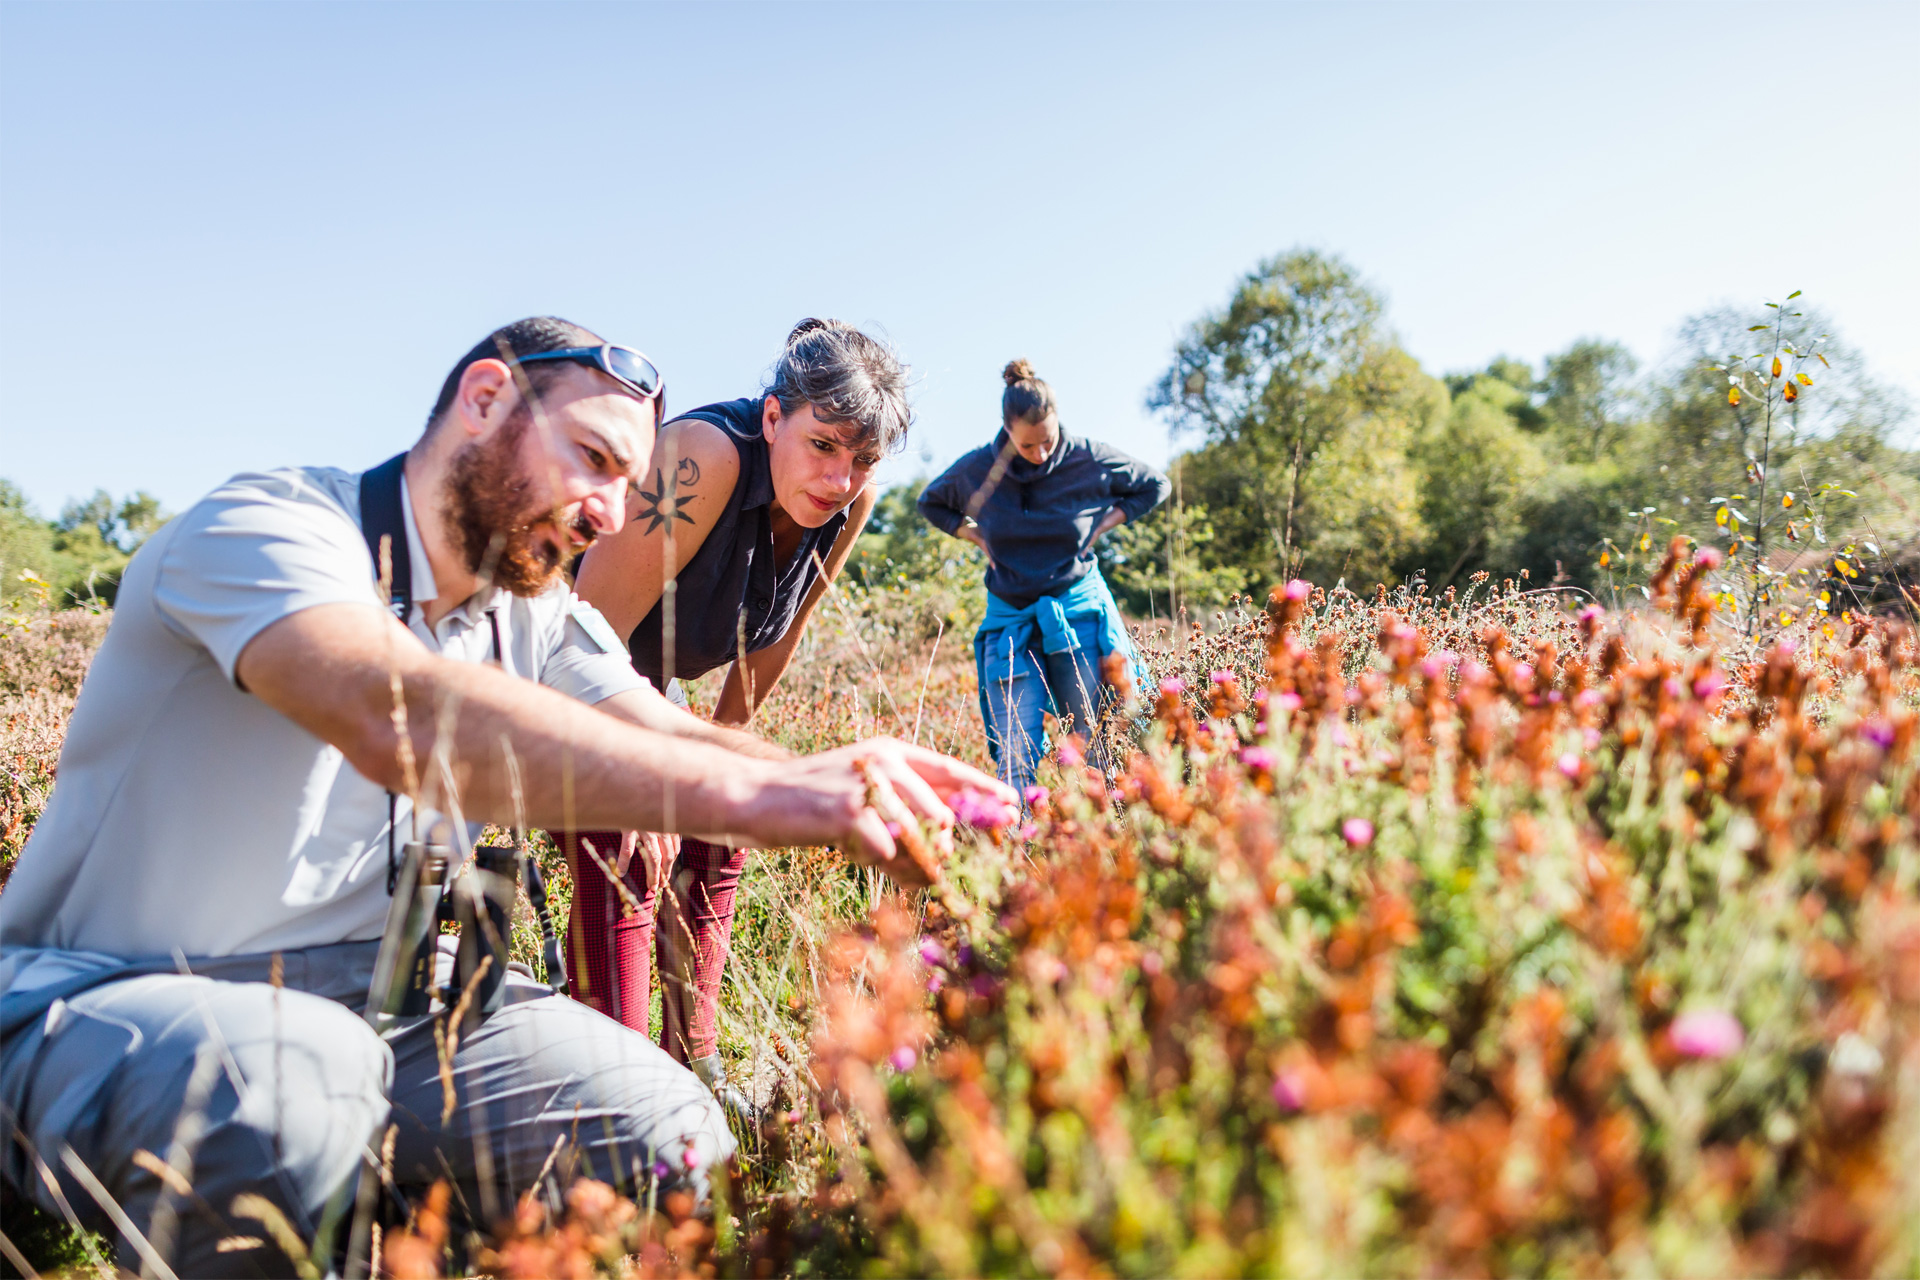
[623,364]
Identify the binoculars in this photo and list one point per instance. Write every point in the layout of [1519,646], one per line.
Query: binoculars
[432,891]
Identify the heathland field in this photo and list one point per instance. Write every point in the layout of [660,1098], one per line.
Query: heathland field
[1479,932]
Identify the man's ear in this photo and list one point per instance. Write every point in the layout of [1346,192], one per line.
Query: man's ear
[770,416]
[487,395]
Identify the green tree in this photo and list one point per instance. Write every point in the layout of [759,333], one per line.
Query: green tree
[1169,560]
[1589,395]
[81,554]
[1306,407]
[1479,470]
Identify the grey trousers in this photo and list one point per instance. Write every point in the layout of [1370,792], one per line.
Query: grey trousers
[287,1094]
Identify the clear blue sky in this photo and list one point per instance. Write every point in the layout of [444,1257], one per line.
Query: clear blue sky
[237,236]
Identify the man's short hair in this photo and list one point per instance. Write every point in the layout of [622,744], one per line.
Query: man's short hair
[521,338]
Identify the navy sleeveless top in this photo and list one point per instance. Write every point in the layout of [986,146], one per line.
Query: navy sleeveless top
[732,599]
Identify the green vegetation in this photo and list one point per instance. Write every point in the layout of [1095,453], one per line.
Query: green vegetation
[77,559]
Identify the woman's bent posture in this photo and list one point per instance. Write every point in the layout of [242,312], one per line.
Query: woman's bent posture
[748,512]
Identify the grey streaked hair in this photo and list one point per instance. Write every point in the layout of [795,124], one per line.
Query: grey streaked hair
[847,377]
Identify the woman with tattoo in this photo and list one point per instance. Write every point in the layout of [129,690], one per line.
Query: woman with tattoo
[747,513]
[1036,500]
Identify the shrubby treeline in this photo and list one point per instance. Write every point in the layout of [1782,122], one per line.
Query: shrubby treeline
[1316,447]
[76,559]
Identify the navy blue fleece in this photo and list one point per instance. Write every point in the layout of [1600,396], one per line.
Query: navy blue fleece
[1039,520]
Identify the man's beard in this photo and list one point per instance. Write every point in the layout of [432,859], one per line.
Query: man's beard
[495,525]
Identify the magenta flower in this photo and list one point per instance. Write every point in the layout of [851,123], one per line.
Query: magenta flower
[1708,685]
[1035,794]
[1069,755]
[904,1057]
[1173,686]
[1290,1089]
[1706,1033]
[932,952]
[1223,677]
[1298,589]
[1260,759]
[1569,764]
[689,1157]
[980,810]
[1709,558]
[1288,701]
[1879,733]
[1357,832]
[1027,831]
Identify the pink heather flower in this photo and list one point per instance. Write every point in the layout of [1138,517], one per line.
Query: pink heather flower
[1341,738]
[1259,758]
[1357,832]
[662,1171]
[932,952]
[1449,657]
[689,1157]
[1879,733]
[1027,831]
[1590,739]
[936,980]
[1784,650]
[1298,589]
[1706,1033]
[1592,614]
[1569,764]
[1223,677]
[1288,701]
[794,1116]
[986,812]
[1588,698]
[1673,687]
[1709,558]
[1035,794]
[1708,685]
[1173,686]
[1290,1089]
[1523,674]
[1069,755]
[904,1057]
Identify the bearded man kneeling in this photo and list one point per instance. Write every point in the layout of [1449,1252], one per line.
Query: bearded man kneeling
[187,942]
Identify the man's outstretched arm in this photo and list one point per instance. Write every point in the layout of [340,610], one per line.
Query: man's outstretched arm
[332,669]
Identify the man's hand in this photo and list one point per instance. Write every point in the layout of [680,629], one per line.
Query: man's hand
[824,799]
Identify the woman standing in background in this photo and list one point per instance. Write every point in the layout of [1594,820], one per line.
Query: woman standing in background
[749,511]
[1036,500]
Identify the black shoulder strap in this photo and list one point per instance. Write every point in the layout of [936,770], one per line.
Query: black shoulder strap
[381,517]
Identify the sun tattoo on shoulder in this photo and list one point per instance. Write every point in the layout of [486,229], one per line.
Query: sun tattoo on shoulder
[665,502]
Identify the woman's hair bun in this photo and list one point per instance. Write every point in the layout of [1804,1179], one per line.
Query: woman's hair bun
[807,326]
[1020,370]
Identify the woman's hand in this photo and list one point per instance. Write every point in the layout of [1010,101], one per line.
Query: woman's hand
[1114,518]
[970,532]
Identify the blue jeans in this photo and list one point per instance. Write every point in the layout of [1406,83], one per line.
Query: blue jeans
[1019,685]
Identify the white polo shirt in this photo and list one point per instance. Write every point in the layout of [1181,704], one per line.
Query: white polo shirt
[189,815]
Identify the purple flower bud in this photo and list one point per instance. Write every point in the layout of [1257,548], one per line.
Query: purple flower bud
[1706,1033]
[904,1057]
[1709,558]
[986,812]
[1288,701]
[1290,1089]
[1069,755]
[1569,764]
[661,1171]
[1357,832]
[1222,677]
[932,952]
[689,1156]
[1879,733]
[1173,686]
[1298,589]
[1035,794]
[1708,685]
[1259,759]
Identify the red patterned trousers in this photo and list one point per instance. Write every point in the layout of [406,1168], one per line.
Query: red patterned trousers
[613,937]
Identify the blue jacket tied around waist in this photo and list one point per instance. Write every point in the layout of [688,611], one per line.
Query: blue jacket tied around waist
[1047,621]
